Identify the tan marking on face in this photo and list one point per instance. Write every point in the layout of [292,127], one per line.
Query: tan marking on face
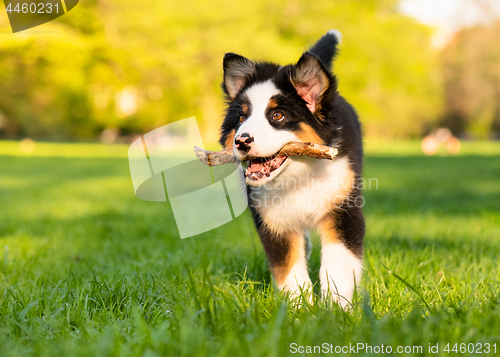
[308,135]
[229,140]
[245,109]
[272,103]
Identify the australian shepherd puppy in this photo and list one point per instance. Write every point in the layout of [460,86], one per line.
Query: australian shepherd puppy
[269,106]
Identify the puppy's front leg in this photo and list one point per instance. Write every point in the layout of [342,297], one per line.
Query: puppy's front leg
[341,255]
[286,255]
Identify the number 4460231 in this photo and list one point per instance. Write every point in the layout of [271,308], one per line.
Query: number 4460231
[471,348]
[40,8]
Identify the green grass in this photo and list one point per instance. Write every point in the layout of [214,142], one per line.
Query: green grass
[86,269]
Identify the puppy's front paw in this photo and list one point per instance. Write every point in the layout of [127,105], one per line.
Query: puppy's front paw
[339,273]
[297,285]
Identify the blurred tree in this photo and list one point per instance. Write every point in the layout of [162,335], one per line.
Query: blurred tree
[135,67]
[471,69]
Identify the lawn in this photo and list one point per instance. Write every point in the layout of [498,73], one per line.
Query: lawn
[87,269]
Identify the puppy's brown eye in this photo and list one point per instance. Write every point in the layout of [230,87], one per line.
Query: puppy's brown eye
[278,116]
[242,118]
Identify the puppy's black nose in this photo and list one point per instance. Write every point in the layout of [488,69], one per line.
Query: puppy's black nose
[244,142]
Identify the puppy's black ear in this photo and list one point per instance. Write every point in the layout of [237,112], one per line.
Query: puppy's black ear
[237,69]
[310,80]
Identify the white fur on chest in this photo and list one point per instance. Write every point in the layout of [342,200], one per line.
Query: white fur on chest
[303,194]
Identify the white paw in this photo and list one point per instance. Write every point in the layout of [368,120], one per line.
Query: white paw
[340,272]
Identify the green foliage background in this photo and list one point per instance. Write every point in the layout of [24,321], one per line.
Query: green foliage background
[472,81]
[61,80]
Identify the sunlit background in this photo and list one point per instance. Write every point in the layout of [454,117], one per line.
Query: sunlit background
[109,70]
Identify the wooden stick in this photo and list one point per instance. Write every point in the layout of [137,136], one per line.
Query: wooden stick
[214,158]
